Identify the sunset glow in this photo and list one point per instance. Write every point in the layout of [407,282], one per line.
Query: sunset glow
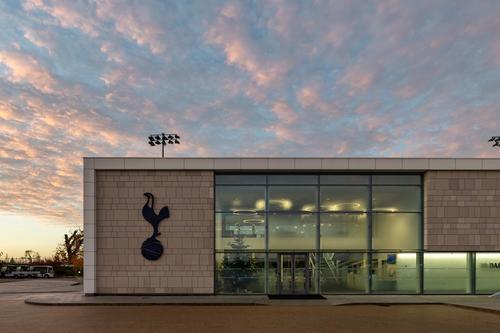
[266,78]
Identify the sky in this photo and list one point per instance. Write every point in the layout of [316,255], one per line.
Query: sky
[397,78]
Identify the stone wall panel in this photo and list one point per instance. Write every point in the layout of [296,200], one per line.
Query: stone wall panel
[461,210]
[186,266]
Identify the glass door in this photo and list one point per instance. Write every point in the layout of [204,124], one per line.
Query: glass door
[301,273]
[286,274]
[293,273]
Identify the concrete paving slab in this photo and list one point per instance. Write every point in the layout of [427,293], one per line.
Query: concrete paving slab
[81,299]
[71,299]
[28,286]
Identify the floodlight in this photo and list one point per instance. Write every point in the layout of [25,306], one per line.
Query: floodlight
[163,139]
[496,140]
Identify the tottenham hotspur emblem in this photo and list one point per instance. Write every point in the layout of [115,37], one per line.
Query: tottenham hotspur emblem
[151,248]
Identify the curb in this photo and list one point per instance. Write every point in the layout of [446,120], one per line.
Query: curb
[34,302]
[470,307]
[381,304]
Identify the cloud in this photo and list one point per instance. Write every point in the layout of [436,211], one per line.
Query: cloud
[68,14]
[274,78]
[358,78]
[310,99]
[284,113]
[137,22]
[41,39]
[232,32]
[23,68]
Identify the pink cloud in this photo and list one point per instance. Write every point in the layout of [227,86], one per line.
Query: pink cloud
[68,14]
[41,39]
[136,23]
[113,52]
[358,78]
[229,33]
[285,128]
[284,113]
[310,99]
[23,68]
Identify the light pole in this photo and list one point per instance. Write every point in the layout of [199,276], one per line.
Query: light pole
[164,139]
[496,140]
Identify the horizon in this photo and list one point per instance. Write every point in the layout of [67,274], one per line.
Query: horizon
[393,79]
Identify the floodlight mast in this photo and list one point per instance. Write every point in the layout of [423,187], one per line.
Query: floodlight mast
[163,139]
[495,140]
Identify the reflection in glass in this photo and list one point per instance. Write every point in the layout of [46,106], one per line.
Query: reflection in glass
[397,198]
[396,231]
[344,272]
[240,179]
[396,180]
[344,198]
[240,273]
[487,272]
[344,231]
[292,198]
[395,273]
[446,273]
[244,231]
[239,198]
[272,274]
[345,179]
[292,231]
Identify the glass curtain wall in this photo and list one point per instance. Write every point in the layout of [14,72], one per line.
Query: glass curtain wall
[348,227]
[335,234]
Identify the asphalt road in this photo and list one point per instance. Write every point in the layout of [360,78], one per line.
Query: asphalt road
[16,316]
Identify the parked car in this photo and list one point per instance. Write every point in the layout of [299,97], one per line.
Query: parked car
[42,271]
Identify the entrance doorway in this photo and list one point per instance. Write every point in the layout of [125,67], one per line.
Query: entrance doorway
[293,273]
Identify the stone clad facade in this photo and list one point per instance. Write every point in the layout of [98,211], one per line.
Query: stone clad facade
[462,210]
[458,219]
[186,266]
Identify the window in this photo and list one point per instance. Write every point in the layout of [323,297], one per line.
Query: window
[396,231]
[395,273]
[240,232]
[446,273]
[344,198]
[292,179]
[242,199]
[292,231]
[343,272]
[293,198]
[397,198]
[396,180]
[352,229]
[344,231]
[240,273]
[345,179]
[240,179]
[487,272]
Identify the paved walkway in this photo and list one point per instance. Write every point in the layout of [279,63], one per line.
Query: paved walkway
[476,302]
[32,286]
[350,314]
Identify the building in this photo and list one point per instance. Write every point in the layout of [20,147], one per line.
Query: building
[292,226]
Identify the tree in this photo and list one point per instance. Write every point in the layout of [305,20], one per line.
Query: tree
[30,256]
[238,269]
[71,250]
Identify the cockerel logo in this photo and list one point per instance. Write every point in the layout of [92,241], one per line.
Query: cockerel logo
[151,248]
